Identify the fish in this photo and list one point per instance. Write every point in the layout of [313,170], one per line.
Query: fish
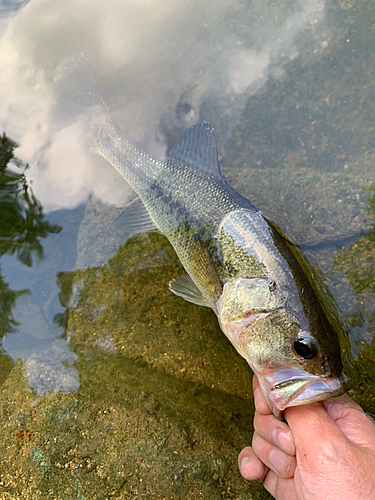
[237,262]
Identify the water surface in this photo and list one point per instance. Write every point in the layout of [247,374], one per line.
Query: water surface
[111,386]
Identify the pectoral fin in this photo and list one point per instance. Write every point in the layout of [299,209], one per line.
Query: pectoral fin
[184,287]
[134,218]
[202,268]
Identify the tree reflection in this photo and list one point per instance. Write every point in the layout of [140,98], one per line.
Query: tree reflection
[22,226]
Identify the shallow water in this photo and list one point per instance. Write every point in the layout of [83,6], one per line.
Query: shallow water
[111,386]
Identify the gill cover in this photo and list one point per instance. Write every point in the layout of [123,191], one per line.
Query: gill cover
[243,302]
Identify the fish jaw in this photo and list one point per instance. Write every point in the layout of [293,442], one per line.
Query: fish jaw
[291,386]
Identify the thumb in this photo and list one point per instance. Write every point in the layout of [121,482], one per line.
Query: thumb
[358,427]
[334,449]
[317,437]
[337,418]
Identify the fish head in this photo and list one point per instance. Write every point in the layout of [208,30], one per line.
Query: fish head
[295,358]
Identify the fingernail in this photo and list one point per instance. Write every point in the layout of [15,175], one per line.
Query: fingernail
[244,461]
[279,462]
[284,441]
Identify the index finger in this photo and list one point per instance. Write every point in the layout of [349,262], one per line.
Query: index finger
[260,403]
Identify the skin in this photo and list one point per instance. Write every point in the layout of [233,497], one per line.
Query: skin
[323,451]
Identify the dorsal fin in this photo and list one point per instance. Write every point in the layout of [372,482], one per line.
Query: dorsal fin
[197,145]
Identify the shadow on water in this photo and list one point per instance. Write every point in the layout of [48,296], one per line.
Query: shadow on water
[22,227]
[296,155]
[357,262]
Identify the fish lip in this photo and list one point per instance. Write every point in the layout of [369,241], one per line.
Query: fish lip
[308,388]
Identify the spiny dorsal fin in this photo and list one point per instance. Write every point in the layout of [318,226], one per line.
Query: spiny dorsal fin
[134,218]
[184,287]
[197,145]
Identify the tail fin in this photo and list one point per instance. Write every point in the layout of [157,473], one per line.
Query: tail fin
[78,100]
[80,104]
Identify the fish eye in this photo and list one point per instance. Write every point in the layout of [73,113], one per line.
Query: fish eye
[306,347]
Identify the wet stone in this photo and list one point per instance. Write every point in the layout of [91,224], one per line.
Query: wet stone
[164,403]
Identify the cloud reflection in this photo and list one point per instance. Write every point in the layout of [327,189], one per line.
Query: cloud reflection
[48,369]
[157,64]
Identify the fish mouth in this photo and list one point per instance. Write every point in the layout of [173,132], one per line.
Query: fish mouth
[293,387]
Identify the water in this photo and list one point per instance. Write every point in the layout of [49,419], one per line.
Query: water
[111,386]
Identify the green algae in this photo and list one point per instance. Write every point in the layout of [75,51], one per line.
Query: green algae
[129,432]
[163,415]
[164,403]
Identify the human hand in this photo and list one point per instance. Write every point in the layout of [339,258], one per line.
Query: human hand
[325,451]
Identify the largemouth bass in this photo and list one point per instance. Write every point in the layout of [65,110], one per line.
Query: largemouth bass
[237,262]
